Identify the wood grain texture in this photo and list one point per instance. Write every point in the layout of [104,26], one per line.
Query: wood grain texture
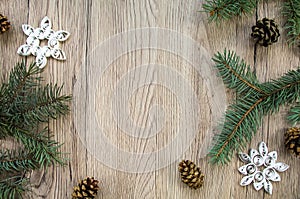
[90,23]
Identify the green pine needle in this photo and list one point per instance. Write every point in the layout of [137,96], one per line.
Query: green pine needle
[13,187]
[243,81]
[243,118]
[20,81]
[11,161]
[40,105]
[294,115]
[241,122]
[44,150]
[25,104]
[227,9]
[291,10]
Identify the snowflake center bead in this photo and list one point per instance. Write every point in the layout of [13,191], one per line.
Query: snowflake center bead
[258,177]
[36,35]
[258,160]
[53,43]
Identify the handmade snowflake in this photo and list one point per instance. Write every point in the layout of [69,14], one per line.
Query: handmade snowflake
[45,32]
[261,158]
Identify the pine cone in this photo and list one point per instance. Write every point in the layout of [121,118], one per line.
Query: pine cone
[86,188]
[265,32]
[4,24]
[292,141]
[191,174]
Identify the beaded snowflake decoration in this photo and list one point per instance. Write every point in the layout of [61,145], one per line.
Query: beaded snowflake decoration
[257,159]
[36,35]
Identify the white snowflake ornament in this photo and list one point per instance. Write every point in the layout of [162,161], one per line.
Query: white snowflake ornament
[257,159]
[45,32]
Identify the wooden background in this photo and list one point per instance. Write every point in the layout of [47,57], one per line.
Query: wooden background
[91,22]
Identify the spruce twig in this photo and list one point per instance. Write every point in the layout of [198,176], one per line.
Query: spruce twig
[25,104]
[16,160]
[20,82]
[44,150]
[243,118]
[13,187]
[227,9]
[236,73]
[40,105]
[291,10]
[294,115]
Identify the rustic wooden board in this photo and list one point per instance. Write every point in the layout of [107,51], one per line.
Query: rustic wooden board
[91,23]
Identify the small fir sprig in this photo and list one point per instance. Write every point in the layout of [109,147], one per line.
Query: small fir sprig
[227,9]
[13,187]
[254,100]
[294,114]
[25,104]
[291,10]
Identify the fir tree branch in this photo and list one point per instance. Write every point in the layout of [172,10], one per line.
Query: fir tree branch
[236,73]
[20,80]
[227,9]
[13,187]
[291,10]
[24,105]
[16,161]
[12,94]
[282,91]
[241,121]
[42,104]
[243,118]
[294,114]
[26,102]
[44,150]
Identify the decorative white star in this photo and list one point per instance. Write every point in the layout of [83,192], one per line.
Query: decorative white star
[257,159]
[45,32]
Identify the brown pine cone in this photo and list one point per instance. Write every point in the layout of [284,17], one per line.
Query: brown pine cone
[86,188]
[191,174]
[265,32]
[4,24]
[292,141]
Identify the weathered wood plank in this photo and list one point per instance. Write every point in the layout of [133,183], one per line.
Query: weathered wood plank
[93,22]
